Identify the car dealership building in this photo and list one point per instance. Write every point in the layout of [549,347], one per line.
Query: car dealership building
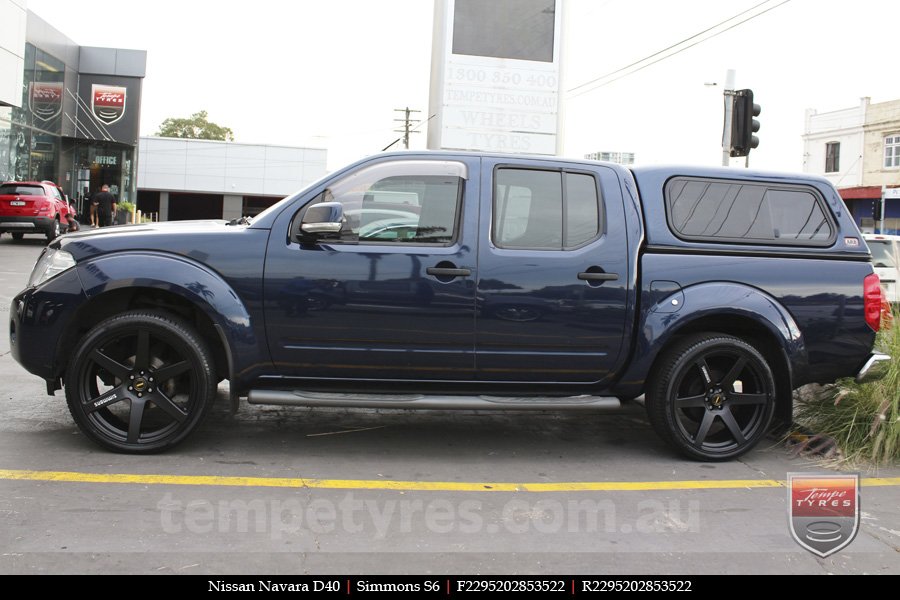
[68,113]
[71,114]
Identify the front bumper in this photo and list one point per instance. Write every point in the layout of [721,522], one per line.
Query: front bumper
[874,369]
[37,322]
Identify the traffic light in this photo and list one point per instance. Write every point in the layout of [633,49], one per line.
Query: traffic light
[876,208]
[743,125]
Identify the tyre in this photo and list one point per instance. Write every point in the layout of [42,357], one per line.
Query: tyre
[140,382]
[53,231]
[711,397]
[18,236]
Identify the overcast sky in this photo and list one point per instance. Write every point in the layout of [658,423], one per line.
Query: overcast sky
[328,73]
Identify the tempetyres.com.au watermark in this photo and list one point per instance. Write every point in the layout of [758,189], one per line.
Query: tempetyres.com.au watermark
[379,518]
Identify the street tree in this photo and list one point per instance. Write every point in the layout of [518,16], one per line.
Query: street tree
[196,127]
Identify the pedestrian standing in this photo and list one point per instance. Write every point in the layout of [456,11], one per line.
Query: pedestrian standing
[105,204]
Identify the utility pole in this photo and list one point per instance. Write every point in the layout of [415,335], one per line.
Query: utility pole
[729,117]
[406,129]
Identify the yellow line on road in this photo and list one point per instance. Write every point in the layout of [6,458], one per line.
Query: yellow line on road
[418,486]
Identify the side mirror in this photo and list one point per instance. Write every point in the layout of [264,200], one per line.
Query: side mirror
[323,218]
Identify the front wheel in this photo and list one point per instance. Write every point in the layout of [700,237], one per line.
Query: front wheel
[18,236]
[140,382]
[711,397]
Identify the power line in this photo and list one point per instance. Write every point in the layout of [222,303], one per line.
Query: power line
[646,58]
[669,47]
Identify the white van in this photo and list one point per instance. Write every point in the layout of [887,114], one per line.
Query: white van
[886,260]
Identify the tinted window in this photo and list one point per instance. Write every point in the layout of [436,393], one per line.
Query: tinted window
[528,209]
[415,202]
[747,212]
[582,209]
[22,190]
[544,210]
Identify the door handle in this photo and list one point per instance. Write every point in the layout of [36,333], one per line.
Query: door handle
[589,276]
[448,272]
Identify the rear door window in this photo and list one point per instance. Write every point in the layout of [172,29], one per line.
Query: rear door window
[545,210]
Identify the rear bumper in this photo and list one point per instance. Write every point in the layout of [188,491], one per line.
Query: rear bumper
[25,224]
[874,369]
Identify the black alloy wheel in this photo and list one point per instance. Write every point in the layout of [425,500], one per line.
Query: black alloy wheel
[711,397]
[140,382]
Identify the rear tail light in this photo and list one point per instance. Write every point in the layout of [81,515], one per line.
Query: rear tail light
[872,301]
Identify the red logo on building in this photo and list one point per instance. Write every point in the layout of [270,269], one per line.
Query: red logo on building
[108,102]
[823,511]
[45,99]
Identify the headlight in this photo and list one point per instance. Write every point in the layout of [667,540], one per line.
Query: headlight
[50,264]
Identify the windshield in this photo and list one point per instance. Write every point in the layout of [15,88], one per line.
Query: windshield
[882,253]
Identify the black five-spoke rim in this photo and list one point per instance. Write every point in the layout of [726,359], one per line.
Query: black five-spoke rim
[137,387]
[721,400]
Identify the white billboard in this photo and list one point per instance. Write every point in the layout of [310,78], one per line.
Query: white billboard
[495,76]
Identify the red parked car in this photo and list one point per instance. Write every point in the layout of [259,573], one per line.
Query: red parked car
[33,207]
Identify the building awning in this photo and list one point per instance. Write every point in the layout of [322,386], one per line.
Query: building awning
[870,192]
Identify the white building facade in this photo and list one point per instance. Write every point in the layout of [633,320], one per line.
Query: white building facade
[858,150]
[12,51]
[182,179]
[833,144]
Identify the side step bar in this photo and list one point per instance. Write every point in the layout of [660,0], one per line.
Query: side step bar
[435,402]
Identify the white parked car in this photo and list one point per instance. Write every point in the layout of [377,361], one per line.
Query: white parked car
[886,260]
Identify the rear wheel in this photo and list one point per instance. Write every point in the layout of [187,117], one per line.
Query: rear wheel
[18,236]
[140,382]
[711,397]
[53,231]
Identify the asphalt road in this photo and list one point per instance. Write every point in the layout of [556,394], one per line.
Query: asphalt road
[364,491]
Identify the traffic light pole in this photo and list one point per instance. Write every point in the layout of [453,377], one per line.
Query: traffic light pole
[729,115]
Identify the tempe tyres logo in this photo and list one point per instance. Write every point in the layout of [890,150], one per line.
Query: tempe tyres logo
[108,102]
[45,99]
[823,511]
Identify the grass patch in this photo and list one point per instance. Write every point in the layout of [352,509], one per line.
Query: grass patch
[863,419]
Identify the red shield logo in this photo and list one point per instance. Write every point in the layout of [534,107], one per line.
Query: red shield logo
[45,99]
[823,511]
[108,102]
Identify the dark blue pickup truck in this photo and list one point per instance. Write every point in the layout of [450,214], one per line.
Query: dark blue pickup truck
[452,280]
